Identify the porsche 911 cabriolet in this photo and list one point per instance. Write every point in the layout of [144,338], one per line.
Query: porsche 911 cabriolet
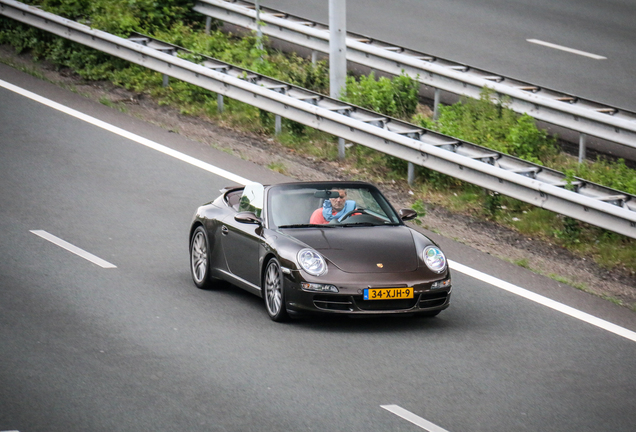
[321,247]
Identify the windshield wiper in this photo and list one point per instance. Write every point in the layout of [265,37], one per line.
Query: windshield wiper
[306,226]
[367,224]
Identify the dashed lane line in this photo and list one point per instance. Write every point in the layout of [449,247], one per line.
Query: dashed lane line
[566,49]
[415,419]
[73,249]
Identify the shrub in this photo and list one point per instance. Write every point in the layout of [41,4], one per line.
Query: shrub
[395,98]
[493,125]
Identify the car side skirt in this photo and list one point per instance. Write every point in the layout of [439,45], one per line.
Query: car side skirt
[240,282]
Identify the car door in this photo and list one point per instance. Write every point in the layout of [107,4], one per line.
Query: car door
[241,244]
[242,241]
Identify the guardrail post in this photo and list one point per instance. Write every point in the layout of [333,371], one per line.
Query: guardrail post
[341,148]
[338,54]
[411,174]
[208,25]
[219,103]
[314,57]
[166,78]
[259,33]
[277,125]
[436,104]
[582,147]
[337,47]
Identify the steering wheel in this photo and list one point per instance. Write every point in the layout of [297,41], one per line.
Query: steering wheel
[357,211]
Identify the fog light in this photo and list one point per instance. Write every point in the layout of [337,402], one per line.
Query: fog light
[441,284]
[314,287]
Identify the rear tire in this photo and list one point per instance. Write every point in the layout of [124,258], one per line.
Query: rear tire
[273,292]
[200,259]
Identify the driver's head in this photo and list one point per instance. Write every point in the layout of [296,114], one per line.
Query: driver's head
[339,202]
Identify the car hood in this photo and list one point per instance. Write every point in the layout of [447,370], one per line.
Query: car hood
[363,249]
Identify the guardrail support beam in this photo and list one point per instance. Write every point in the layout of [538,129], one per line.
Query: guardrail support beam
[278,127]
[436,104]
[411,174]
[259,33]
[337,47]
[582,147]
[208,25]
[219,103]
[341,148]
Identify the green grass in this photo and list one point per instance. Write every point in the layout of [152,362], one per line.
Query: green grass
[105,101]
[26,69]
[566,281]
[523,262]
[278,167]
[536,221]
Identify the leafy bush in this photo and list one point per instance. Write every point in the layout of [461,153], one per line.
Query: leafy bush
[493,125]
[395,98]
[613,174]
[121,17]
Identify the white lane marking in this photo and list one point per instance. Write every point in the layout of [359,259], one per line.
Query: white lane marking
[240,180]
[74,249]
[590,319]
[128,135]
[570,50]
[416,420]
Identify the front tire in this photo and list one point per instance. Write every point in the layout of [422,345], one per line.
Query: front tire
[273,292]
[200,259]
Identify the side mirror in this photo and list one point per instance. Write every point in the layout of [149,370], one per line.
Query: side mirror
[407,214]
[248,218]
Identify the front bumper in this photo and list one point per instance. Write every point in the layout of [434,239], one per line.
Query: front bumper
[350,300]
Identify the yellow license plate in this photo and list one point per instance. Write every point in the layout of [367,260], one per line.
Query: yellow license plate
[388,293]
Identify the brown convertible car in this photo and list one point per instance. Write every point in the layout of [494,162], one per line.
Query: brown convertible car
[328,247]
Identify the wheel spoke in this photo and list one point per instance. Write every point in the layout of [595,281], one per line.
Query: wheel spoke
[199,257]
[273,294]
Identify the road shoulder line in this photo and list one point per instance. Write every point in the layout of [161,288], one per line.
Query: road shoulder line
[545,301]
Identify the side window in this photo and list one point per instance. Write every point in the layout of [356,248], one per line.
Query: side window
[233,198]
[252,198]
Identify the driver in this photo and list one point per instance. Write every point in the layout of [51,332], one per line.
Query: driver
[333,208]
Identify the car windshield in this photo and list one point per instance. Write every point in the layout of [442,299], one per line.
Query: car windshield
[328,206]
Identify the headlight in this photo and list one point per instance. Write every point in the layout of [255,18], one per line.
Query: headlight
[434,259]
[312,262]
[314,287]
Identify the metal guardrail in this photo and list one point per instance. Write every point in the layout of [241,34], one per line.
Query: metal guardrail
[572,112]
[534,184]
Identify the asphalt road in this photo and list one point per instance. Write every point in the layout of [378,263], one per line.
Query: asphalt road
[493,34]
[138,347]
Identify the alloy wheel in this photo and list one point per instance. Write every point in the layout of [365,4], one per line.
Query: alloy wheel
[199,257]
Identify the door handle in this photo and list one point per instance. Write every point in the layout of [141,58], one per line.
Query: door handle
[224,230]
